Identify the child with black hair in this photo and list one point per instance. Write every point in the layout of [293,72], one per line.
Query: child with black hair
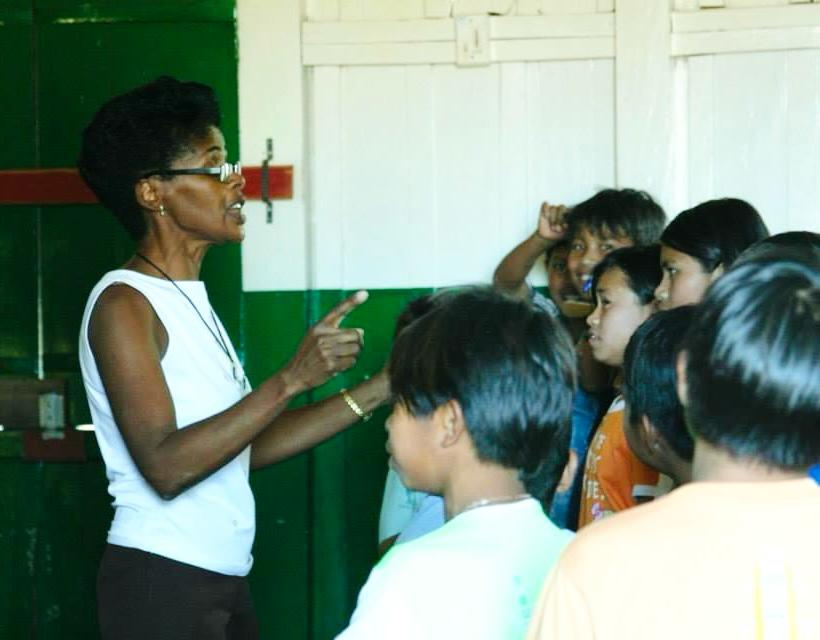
[483,386]
[732,554]
[608,220]
[804,243]
[624,283]
[563,298]
[562,301]
[407,514]
[700,244]
[654,425]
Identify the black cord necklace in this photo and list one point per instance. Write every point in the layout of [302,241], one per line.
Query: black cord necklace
[236,370]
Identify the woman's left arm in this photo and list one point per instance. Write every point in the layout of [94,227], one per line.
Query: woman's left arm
[295,431]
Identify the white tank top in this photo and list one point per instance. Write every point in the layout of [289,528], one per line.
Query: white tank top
[211,524]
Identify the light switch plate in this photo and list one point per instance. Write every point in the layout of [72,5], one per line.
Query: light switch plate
[472,41]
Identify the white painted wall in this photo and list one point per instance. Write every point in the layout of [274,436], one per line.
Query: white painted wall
[754,132]
[272,105]
[424,173]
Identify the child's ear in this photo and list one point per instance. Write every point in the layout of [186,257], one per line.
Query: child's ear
[568,475]
[649,434]
[450,423]
[681,383]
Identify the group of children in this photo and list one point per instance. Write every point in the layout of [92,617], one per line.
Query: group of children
[686,354]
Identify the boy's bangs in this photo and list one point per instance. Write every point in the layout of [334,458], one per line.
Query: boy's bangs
[604,230]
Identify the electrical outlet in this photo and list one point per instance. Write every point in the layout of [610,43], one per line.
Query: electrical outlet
[472,41]
[52,415]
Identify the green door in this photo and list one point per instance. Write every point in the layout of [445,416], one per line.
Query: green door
[59,59]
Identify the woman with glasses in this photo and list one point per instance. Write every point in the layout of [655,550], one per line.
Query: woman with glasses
[176,421]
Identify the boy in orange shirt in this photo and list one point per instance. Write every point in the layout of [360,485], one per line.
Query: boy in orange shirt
[624,283]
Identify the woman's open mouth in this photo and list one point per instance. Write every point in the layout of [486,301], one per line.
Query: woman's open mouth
[235,211]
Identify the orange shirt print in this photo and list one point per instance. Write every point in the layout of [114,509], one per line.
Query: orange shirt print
[613,476]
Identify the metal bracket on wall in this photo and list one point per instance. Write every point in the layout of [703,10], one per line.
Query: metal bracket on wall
[65,186]
[266,180]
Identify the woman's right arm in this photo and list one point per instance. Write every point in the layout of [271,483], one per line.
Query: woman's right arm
[128,341]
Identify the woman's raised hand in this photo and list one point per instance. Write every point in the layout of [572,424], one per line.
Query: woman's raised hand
[326,349]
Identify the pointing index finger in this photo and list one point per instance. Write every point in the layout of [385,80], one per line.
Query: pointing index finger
[335,316]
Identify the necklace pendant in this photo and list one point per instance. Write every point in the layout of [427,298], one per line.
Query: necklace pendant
[240,378]
[237,372]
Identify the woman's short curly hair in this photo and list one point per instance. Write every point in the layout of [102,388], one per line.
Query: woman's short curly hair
[142,130]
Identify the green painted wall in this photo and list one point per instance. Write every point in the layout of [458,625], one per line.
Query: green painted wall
[18,242]
[58,63]
[53,521]
[317,515]
[59,59]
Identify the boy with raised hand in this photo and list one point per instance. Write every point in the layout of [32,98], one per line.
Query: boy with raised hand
[483,386]
[654,424]
[548,241]
[732,554]
[611,219]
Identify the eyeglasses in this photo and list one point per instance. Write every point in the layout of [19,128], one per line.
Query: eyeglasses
[224,172]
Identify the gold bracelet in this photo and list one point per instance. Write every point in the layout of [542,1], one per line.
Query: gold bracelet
[354,406]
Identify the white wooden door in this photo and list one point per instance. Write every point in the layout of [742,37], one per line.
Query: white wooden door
[433,129]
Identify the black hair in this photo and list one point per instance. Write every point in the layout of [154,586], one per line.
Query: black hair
[715,232]
[619,212]
[412,311]
[753,362]
[803,244]
[649,385]
[641,267]
[140,131]
[511,368]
